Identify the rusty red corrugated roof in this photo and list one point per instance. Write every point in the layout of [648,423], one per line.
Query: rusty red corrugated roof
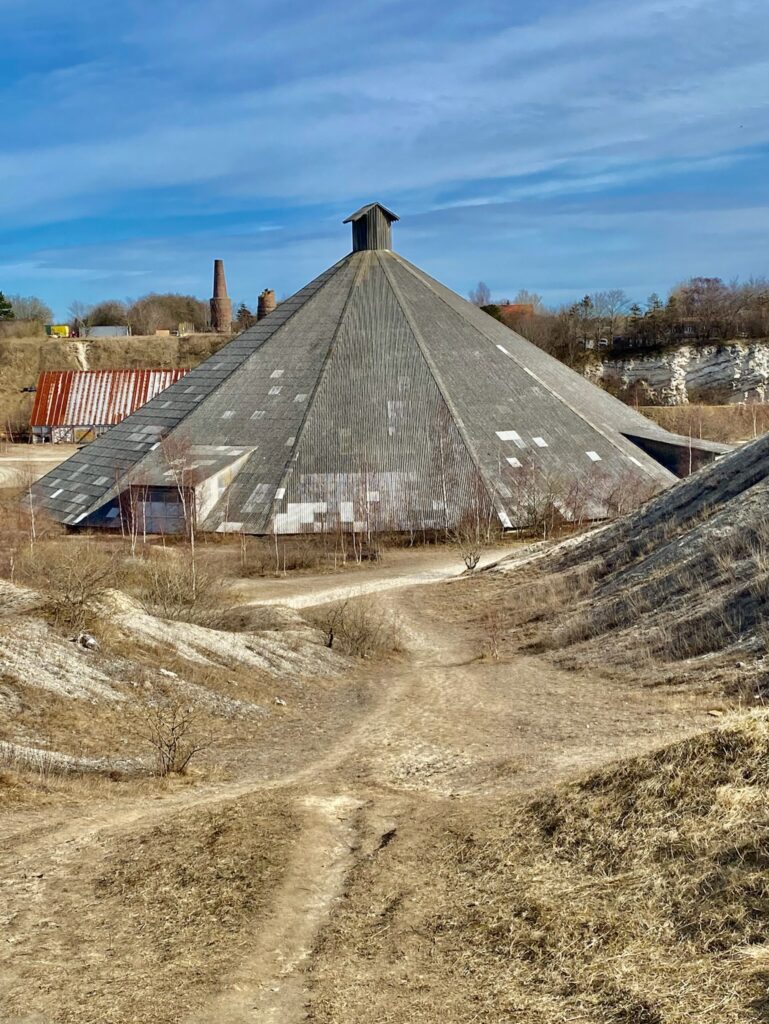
[72,398]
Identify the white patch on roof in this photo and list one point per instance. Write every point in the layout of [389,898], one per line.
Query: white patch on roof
[229,527]
[301,398]
[504,519]
[228,415]
[290,442]
[257,415]
[503,349]
[276,390]
[276,373]
[513,461]
[57,493]
[280,493]
[511,435]
[634,459]
[594,456]
[540,442]
[346,512]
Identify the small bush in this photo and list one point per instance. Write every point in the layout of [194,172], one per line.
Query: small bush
[172,588]
[358,627]
[170,725]
[72,577]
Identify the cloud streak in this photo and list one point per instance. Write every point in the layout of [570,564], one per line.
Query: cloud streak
[296,116]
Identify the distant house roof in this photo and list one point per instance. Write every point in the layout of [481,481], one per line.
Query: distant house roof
[67,398]
[517,309]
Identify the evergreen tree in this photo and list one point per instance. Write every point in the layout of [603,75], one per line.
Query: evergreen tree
[244,318]
[6,309]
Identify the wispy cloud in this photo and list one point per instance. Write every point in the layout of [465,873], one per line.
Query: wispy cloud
[292,115]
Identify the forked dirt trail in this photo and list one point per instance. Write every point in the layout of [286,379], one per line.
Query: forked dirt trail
[440,723]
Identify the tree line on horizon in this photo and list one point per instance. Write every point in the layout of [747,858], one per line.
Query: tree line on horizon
[145,315]
[698,310]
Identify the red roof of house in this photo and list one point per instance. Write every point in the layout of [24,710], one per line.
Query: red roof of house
[76,398]
[517,309]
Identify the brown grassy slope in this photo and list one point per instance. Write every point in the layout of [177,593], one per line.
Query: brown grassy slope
[636,896]
[22,359]
[685,575]
[142,927]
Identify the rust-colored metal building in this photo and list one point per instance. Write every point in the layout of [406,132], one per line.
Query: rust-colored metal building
[78,405]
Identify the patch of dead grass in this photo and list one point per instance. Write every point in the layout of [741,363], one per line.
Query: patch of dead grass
[150,922]
[637,896]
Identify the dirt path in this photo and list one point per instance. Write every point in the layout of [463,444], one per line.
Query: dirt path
[404,570]
[269,986]
[441,723]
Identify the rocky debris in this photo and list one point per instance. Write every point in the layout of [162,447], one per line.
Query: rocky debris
[34,655]
[53,762]
[280,702]
[85,640]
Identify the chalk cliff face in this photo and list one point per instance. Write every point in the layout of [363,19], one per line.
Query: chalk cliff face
[718,374]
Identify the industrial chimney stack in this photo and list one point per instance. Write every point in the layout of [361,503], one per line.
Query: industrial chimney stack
[266,303]
[221,304]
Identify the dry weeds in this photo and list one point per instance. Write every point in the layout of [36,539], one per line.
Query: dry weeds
[358,626]
[174,906]
[637,896]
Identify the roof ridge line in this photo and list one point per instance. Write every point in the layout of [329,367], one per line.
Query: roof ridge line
[321,376]
[577,412]
[493,494]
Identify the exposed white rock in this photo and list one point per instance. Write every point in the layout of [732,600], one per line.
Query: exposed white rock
[736,371]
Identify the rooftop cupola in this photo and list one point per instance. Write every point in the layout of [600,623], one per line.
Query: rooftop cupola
[371,227]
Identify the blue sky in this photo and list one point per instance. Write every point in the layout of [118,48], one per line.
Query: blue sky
[563,146]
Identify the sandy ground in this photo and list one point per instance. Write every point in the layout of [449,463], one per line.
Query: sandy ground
[23,463]
[440,723]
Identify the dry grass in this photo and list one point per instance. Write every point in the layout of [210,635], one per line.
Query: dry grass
[637,896]
[150,923]
[713,422]
[360,627]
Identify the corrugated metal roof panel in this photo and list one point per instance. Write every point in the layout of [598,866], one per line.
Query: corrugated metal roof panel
[70,398]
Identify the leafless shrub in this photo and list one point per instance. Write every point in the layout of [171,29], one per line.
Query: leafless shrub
[164,587]
[359,627]
[170,724]
[72,576]
[493,632]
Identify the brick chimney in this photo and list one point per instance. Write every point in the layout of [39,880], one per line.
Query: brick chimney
[266,303]
[221,304]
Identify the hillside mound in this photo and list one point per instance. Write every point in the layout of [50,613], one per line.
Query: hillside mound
[637,895]
[685,576]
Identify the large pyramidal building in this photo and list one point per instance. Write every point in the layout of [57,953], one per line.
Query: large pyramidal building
[374,398]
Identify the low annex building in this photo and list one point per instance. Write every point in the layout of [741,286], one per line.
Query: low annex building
[374,398]
[79,405]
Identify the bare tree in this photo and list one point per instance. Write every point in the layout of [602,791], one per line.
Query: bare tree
[608,307]
[480,295]
[527,298]
[29,307]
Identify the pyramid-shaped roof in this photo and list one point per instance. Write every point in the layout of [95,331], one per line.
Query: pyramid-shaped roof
[373,397]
